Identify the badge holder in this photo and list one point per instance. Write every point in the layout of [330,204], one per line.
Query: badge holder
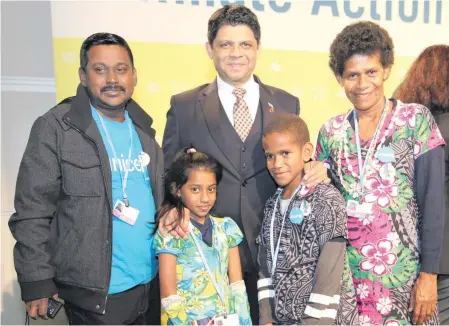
[125,212]
[359,210]
[229,320]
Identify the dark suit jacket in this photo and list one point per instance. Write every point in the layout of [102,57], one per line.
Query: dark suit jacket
[197,119]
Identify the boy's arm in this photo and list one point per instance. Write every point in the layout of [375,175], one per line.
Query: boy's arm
[264,288]
[325,296]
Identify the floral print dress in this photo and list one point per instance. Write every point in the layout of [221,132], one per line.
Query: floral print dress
[201,300]
[384,250]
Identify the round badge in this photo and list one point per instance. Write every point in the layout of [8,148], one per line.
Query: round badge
[144,158]
[385,154]
[296,215]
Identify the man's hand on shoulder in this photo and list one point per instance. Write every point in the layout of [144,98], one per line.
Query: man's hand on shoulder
[168,220]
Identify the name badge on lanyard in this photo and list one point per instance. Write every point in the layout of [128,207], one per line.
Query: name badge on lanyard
[122,209]
[275,251]
[125,213]
[359,210]
[354,207]
[229,320]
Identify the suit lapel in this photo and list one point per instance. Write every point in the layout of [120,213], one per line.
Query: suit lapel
[268,105]
[210,105]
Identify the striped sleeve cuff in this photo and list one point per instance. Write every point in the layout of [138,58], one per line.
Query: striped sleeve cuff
[265,289]
[324,299]
[264,294]
[264,282]
[318,314]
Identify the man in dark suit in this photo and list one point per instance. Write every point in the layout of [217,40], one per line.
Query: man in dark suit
[226,119]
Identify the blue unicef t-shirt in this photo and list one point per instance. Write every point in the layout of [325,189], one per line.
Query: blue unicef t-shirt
[133,259]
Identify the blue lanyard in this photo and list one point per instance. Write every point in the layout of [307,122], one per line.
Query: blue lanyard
[128,161]
[362,167]
[220,289]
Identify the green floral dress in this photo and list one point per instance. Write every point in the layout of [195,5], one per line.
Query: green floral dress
[193,281]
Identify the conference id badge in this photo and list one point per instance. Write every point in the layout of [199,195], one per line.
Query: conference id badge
[365,209]
[126,214]
[351,207]
[230,320]
[354,209]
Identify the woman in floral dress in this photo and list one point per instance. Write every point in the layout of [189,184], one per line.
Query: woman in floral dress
[386,158]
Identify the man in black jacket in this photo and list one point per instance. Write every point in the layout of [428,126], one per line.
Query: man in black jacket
[86,194]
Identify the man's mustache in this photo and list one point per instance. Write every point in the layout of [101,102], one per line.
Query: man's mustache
[114,88]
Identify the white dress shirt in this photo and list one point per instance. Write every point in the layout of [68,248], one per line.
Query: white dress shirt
[228,99]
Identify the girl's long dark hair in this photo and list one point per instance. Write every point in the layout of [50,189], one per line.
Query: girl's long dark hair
[177,175]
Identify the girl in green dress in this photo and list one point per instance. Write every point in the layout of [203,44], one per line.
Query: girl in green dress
[200,276]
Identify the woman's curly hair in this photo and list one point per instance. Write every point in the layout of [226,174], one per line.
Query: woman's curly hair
[364,38]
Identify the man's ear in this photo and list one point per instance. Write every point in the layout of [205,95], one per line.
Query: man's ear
[83,77]
[209,49]
[134,77]
[339,79]
[387,72]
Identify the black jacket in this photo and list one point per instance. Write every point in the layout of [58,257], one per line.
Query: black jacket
[63,219]
[442,121]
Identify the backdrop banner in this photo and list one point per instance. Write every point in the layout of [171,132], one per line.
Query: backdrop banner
[167,38]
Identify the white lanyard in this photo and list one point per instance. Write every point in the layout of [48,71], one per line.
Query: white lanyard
[220,290]
[370,152]
[275,252]
[128,161]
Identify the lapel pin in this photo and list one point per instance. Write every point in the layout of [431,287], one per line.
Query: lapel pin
[271,109]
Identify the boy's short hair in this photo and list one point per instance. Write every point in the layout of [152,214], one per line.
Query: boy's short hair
[289,123]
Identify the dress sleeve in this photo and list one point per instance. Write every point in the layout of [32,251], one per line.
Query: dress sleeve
[234,235]
[322,150]
[426,134]
[168,245]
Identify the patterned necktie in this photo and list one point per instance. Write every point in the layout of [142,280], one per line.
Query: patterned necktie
[242,118]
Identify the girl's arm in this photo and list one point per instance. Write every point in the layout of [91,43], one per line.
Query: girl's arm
[174,305]
[167,274]
[238,288]
[235,267]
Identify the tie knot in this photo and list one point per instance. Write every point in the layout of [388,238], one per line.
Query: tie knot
[239,92]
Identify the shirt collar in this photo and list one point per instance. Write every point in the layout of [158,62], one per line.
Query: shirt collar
[223,86]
